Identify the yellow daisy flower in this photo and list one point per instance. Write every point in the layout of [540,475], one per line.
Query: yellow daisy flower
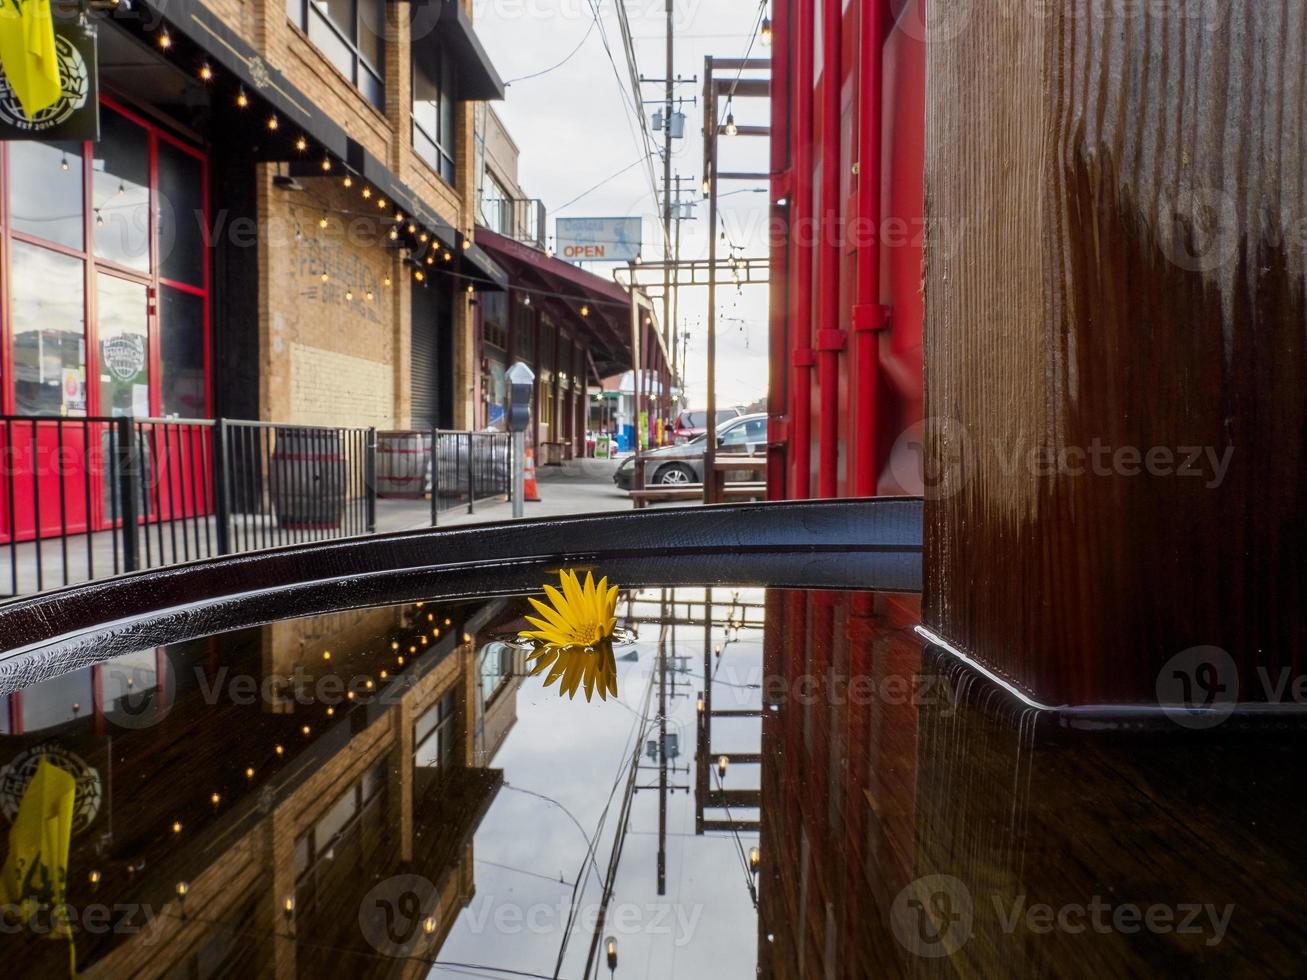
[581,615]
[573,636]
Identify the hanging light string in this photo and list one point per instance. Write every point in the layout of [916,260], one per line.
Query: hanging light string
[432,256]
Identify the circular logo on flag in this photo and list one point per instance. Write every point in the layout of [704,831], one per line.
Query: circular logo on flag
[74,79]
[15,777]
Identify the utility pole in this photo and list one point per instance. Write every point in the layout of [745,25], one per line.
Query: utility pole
[662,749]
[668,108]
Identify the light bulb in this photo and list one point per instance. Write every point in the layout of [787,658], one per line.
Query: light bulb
[206,73]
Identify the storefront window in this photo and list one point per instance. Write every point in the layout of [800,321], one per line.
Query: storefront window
[47,307]
[181,353]
[120,192]
[123,308]
[181,215]
[45,191]
[145,317]
[433,110]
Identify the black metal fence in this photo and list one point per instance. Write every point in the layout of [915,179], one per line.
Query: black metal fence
[83,498]
[456,468]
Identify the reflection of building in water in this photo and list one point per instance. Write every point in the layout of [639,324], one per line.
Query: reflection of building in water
[312,787]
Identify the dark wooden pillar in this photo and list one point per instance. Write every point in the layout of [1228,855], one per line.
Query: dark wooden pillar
[1115,327]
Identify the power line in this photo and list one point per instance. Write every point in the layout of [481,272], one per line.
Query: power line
[613,176]
[570,54]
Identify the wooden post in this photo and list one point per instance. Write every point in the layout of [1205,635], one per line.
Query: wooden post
[1115,321]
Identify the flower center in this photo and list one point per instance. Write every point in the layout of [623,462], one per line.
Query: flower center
[588,634]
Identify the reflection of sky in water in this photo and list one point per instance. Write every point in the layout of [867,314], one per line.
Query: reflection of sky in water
[705,925]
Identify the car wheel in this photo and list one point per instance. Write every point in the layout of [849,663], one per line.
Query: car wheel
[674,475]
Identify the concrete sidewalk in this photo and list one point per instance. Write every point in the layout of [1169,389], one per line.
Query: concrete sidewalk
[578,486]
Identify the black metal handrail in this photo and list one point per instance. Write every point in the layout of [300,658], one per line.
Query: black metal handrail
[90,496]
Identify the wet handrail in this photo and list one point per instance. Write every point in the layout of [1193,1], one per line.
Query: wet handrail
[846,544]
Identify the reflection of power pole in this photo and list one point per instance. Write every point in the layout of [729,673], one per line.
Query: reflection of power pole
[662,731]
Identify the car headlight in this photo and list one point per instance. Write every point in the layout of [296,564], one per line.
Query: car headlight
[627,464]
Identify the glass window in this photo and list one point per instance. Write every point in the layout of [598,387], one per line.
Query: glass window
[181,353]
[433,110]
[45,191]
[181,215]
[124,367]
[120,192]
[334,820]
[348,32]
[49,331]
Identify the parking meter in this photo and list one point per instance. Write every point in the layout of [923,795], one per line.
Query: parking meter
[521,386]
[521,382]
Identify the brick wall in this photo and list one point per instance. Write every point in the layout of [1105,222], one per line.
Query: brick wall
[329,347]
[325,358]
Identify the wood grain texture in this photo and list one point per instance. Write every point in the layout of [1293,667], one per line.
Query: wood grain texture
[1123,188]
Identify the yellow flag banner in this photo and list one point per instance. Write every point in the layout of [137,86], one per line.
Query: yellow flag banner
[27,54]
[34,879]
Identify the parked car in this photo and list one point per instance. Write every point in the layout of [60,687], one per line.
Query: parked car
[694,422]
[673,465]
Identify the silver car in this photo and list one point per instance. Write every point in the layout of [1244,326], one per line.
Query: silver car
[676,465]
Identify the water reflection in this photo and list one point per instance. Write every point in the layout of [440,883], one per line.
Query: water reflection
[776,783]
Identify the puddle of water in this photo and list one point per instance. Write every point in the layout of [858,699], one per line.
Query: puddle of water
[777,783]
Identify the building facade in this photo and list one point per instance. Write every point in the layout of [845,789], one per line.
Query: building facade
[276,222]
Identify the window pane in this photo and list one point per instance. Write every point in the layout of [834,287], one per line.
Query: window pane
[371,87]
[44,198]
[49,331]
[121,316]
[181,353]
[321,34]
[425,148]
[372,23]
[340,13]
[120,192]
[181,215]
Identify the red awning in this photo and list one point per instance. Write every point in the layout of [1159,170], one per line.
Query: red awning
[562,289]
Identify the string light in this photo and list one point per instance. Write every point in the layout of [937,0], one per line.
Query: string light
[242,100]
[585,310]
[731,128]
[165,40]
[367,192]
[449,257]
[381,204]
[206,73]
[385,281]
[301,144]
[215,799]
[349,181]
[765,34]
[418,275]
[325,277]
[63,162]
[279,750]
[368,295]
[326,164]
[176,826]
[412,228]
[272,122]
[349,296]
[322,223]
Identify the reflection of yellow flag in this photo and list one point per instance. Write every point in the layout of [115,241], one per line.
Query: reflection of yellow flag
[27,53]
[35,873]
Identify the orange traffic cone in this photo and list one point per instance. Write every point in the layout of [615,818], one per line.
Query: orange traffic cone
[530,492]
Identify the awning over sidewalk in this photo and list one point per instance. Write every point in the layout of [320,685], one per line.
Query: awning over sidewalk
[563,289]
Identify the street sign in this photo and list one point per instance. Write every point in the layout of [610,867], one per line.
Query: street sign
[597,239]
[76,114]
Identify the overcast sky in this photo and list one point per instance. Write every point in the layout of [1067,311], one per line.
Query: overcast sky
[574,127]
